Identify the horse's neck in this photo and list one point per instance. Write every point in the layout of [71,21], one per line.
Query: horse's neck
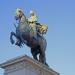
[23,24]
[23,19]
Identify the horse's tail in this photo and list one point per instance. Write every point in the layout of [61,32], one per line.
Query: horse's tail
[42,41]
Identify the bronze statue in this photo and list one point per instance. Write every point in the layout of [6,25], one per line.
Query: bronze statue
[24,35]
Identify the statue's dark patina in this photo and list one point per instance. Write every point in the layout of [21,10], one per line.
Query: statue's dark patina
[23,36]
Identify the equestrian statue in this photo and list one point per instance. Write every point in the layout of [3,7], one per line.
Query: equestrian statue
[30,33]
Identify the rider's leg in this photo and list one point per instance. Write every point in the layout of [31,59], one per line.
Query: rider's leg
[34,32]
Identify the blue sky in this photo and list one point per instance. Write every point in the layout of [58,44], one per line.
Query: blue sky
[59,15]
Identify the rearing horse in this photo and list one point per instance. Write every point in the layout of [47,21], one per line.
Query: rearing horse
[23,36]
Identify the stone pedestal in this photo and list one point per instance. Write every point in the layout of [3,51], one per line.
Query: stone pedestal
[25,65]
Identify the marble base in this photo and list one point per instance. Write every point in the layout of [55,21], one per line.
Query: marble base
[25,65]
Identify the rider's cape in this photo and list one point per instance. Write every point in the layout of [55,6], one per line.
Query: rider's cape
[42,29]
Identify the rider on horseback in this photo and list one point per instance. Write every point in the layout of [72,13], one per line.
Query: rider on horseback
[32,20]
[35,26]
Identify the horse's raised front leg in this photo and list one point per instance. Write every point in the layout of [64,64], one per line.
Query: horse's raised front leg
[11,37]
[18,43]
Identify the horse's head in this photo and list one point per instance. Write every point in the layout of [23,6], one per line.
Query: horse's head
[18,14]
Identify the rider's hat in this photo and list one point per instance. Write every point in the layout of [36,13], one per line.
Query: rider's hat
[31,12]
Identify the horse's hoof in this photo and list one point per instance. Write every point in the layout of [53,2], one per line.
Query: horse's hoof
[18,44]
[12,42]
[46,64]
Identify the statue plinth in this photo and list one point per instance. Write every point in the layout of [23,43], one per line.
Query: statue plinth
[25,65]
